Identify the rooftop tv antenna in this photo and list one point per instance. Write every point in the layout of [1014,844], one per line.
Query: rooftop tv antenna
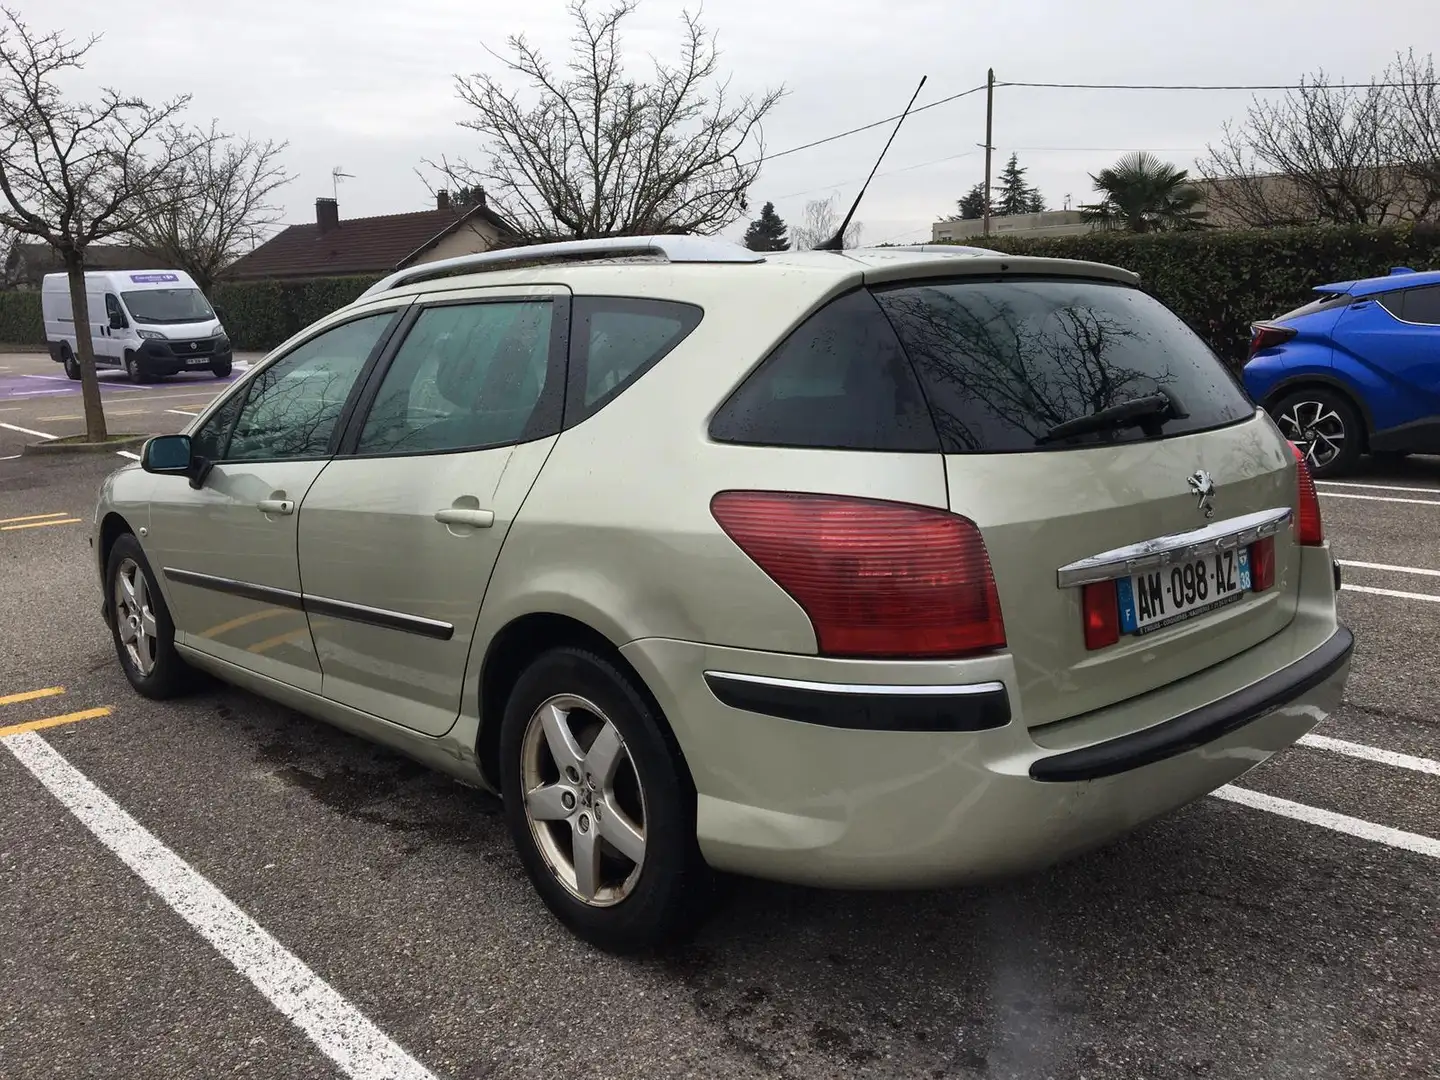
[336,175]
[837,242]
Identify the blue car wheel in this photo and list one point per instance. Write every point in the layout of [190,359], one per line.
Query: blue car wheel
[1325,426]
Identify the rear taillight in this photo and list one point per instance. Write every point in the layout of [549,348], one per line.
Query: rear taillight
[1102,614]
[1267,336]
[1309,529]
[1262,564]
[877,579]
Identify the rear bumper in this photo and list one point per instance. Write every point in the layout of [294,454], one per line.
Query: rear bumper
[919,789]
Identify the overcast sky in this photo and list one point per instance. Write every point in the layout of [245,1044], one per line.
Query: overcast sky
[369,86]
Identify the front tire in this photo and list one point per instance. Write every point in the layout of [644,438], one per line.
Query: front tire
[134,369]
[600,805]
[1327,428]
[140,624]
[221,368]
[72,366]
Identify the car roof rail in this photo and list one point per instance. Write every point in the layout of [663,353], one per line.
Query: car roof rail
[941,249]
[675,249]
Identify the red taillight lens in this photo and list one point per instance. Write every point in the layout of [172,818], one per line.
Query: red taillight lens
[1309,529]
[1262,564]
[878,579]
[1102,615]
[1264,336]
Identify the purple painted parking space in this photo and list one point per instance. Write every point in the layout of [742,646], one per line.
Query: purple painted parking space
[113,384]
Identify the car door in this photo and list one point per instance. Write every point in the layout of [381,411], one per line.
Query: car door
[108,347]
[1399,350]
[227,550]
[400,533]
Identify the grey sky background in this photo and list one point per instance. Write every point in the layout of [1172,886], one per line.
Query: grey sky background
[370,87]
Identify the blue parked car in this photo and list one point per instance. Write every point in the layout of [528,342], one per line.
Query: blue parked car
[1356,370]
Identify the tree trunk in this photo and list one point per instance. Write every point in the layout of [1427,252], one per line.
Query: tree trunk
[85,348]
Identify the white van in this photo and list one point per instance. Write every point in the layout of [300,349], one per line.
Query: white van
[151,323]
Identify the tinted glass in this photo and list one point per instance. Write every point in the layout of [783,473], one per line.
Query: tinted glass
[1004,362]
[1320,303]
[839,381]
[293,405]
[466,376]
[1422,305]
[169,306]
[615,340]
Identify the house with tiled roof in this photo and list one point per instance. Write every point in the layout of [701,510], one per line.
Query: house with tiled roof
[330,247]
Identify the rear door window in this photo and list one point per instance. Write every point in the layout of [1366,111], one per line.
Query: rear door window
[1004,362]
[840,381]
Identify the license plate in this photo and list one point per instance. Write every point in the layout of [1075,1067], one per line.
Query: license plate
[1160,598]
[198,363]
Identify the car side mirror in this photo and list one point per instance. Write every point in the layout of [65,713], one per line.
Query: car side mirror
[117,320]
[169,455]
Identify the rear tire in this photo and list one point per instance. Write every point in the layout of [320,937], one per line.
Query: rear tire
[140,624]
[571,712]
[1325,424]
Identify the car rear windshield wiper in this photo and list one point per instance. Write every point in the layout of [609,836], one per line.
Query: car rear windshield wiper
[1148,413]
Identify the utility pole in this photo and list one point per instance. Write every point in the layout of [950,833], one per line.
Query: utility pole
[989,120]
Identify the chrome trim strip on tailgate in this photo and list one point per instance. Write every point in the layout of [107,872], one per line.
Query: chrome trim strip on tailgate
[1177,547]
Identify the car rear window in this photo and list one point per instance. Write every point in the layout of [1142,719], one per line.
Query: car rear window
[839,381]
[1322,302]
[1004,362]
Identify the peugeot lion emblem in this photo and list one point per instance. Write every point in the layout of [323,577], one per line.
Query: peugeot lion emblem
[1204,488]
[194,345]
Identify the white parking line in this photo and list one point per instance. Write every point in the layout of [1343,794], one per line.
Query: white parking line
[1381,498]
[1327,819]
[28,431]
[340,1031]
[183,412]
[1376,487]
[1372,753]
[1347,587]
[127,453]
[1387,566]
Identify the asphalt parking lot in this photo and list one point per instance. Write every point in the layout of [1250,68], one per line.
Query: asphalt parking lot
[219,887]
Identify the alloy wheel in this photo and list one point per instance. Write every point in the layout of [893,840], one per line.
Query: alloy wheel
[583,800]
[1317,429]
[135,616]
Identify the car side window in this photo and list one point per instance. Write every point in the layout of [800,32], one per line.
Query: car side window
[840,381]
[291,408]
[467,376]
[112,307]
[1423,305]
[615,341]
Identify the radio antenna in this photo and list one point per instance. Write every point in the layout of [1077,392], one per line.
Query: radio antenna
[837,242]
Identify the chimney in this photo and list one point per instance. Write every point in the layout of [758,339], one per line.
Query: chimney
[327,215]
[442,200]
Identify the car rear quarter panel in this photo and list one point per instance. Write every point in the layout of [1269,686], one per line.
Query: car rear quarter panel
[617,531]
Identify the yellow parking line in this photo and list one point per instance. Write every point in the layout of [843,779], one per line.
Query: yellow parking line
[279,639]
[32,517]
[31,695]
[55,721]
[41,524]
[244,620]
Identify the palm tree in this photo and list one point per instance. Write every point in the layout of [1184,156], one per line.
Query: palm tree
[1144,194]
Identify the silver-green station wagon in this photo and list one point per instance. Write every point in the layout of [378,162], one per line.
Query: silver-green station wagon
[877,569]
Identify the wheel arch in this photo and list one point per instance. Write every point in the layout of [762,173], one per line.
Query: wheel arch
[515,647]
[112,526]
[1312,381]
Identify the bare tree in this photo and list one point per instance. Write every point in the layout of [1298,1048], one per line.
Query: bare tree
[74,173]
[822,218]
[1327,152]
[1417,98]
[225,209]
[599,153]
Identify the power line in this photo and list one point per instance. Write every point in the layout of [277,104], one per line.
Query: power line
[867,127]
[891,172]
[1266,86]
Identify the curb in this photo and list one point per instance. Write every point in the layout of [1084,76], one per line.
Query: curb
[63,446]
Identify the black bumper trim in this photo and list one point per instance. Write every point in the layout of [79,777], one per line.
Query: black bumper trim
[866,708]
[1203,725]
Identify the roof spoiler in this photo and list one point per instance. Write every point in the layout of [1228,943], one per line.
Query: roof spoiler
[675,249]
[1401,270]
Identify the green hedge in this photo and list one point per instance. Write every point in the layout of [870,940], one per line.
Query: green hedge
[261,314]
[1221,282]
[20,319]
